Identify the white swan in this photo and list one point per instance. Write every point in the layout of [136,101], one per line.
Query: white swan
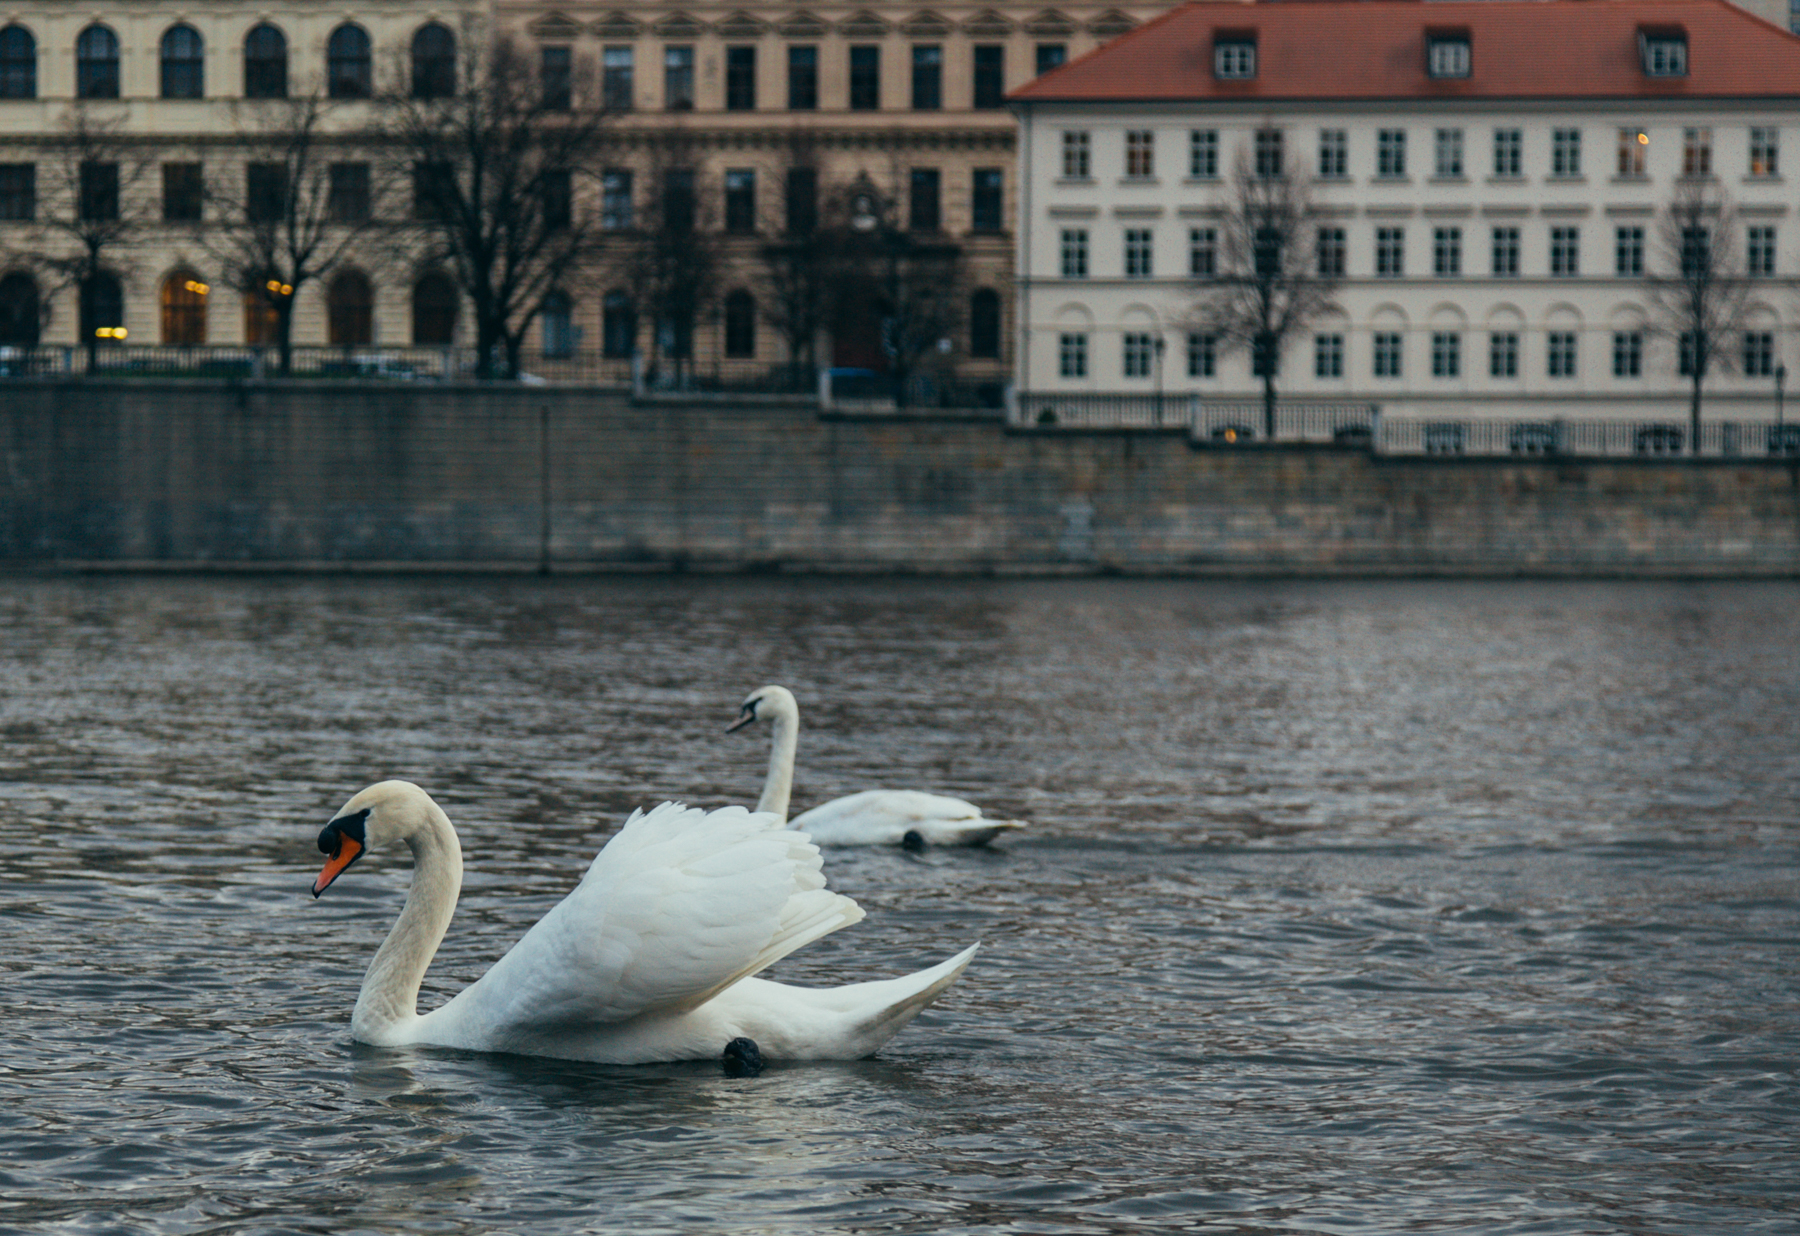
[650,958]
[873,817]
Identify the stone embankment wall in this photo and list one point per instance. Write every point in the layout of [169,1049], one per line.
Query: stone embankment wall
[314,474]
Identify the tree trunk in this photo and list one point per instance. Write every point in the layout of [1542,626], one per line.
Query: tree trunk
[284,334]
[1694,411]
[1268,400]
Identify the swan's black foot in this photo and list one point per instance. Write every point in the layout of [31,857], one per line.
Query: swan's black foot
[742,1058]
[913,842]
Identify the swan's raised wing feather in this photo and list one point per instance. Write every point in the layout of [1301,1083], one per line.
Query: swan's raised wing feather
[680,904]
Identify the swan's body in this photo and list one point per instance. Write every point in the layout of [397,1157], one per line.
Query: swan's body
[651,957]
[873,817]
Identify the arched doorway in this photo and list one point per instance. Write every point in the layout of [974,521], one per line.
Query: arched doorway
[184,309]
[350,310]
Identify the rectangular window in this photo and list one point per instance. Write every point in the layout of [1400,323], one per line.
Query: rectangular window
[740,199]
[18,191]
[1138,263]
[802,200]
[1202,354]
[1387,354]
[1505,263]
[1759,251]
[1269,158]
[1328,356]
[557,198]
[1759,354]
[1334,154]
[1234,58]
[1074,253]
[615,80]
[1076,155]
[678,79]
[1332,248]
[1390,153]
[1665,55]
[434,189]
[615,199]
[1051,56]
[927,77]
[1559,353]
[556,77]
[1140,154]
[740,79]
[1565,152]
[1687,350]
[1203,252]
[1447,57]
[923,201]
[1266,251]
[678,200]
[865,77]
[1072,356]
[1696,152]
[1203,154]
[803,79]
[1628,354]
[1446,354]
[1503,354]
[1448,150]
[1565,252]
[1765,151]
[1139,351]
[265,192]
[1509,153]
[1446,252]
[985,202]
[1390,252]
[990,76]
[184,192]
[1634,144]
[99,196]
[1628,251]
[1696,251]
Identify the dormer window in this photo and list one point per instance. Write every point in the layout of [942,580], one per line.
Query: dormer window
[1234,56]
[1664,52]
[1447,55]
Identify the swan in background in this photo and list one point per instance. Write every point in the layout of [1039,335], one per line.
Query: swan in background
[873,817]
[652,957]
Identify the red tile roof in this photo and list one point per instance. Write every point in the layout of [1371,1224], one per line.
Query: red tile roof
[1375,49]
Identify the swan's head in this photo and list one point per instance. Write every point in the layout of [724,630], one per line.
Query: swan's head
[385,812]
[765,704]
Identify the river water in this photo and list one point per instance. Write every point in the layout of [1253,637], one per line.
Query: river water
[1346,907]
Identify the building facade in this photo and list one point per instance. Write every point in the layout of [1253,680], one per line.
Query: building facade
[1490,187]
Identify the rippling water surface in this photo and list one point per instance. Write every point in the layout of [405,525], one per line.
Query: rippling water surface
[1347,907]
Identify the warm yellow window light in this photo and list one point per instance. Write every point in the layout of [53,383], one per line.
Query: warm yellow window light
[196,287]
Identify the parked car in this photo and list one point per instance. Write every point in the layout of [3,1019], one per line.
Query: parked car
[1658,440]
[1533,438]
[1442,438]
[1784,439]
[1231,434]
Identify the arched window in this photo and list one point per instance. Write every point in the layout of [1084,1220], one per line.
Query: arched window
[740,324]
[350,64]
[19,320]
[618,325]
[433,62]
[265,63]
[559,325]
[183,64]
[262,325]
[97,64]
[18,63]
[350,309]
[184,308]
[434,304]
[984,324]
[102,306]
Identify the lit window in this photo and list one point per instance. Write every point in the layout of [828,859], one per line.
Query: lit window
[1765,151]
[1140,154]
[1634,143]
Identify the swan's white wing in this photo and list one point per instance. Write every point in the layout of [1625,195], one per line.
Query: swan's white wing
[680,904]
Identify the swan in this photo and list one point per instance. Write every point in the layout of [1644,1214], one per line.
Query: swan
[873,817]
[652,957]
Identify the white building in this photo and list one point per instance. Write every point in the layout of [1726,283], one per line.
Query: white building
[1490,175]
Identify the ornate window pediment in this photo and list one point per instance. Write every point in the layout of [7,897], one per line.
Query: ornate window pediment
[617,26]
[802,25]
[741,25]
[987,24]
[679,26]
[1050,24]
[554,26]
[925,25]
[862,25]
[1111,24]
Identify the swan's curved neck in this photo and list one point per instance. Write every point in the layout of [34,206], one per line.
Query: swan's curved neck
[780,785]
[390,990]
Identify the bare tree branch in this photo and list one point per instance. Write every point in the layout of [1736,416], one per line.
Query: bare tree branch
[1700,297]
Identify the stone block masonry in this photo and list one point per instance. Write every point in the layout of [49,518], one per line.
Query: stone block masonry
[307,475]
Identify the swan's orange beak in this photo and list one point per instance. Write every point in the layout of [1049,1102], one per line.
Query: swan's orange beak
[348,851]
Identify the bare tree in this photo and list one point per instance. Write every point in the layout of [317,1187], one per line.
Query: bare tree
[802,266]
[90,209]
[672,258]
[498,161]
[300,207]
[1702,299]
[1266,288]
